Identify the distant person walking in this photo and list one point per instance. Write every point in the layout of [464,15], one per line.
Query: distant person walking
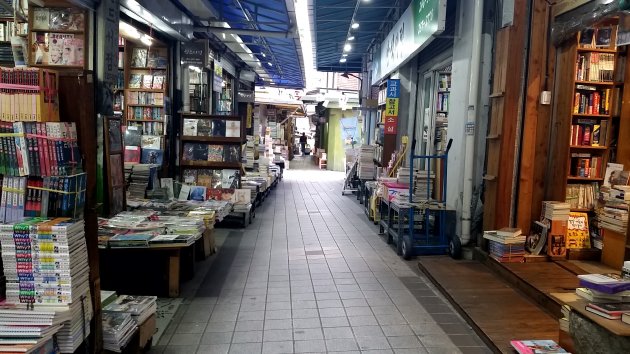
[303,143]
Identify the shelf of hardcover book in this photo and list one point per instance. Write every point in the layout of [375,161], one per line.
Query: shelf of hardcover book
[58,37]
[224,103]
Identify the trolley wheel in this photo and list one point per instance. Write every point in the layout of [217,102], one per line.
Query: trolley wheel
[455,247]
[399,245]
[406,248]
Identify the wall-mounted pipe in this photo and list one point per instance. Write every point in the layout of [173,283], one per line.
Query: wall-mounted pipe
[471,121]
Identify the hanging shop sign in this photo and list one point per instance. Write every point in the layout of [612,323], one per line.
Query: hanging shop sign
[415,29]
[391,107]
[194,53]
[217,82]
[107,48]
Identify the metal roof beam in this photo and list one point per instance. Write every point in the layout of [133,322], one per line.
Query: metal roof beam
[247,32]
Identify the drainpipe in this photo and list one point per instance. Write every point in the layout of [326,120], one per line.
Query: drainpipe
[471,122]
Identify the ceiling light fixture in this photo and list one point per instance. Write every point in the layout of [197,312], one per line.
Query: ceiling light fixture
[351,38]
[355,25]
[264,55]
[344,55]
[347,47]
[342,60]
[269,64]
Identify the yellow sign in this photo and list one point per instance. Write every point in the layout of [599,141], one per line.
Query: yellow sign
[391,107]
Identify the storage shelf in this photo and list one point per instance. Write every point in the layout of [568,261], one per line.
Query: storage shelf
[212,139]
[596,83]
[57,31]
[145,105]
[587,147]
[583,115]
[145,120]
[189,115]
[210,164]
[593,179]
[145,90]
[145,68]
[598,50]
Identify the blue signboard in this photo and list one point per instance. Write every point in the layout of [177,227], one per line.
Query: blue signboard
[393,88]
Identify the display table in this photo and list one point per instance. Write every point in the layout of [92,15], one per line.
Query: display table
[592,333]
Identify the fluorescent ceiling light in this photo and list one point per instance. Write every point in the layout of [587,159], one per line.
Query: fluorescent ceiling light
[269,64]
[146,40]
[347,47]
[128,30]
[351,38]
[344,55]
[355,25]
[342,60]
[264,55]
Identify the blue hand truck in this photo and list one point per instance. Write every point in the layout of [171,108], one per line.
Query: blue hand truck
[426,218]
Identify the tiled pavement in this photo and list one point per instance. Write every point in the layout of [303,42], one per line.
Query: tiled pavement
[311,275]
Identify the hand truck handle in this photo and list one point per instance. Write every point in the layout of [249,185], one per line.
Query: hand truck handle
[448,146]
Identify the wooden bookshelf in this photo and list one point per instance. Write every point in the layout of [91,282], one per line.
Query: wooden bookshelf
[205,140]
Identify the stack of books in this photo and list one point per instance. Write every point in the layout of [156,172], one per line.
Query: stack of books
[367,169]
[23,331]
[143,177]
[45,264]
[423,188]
[250,152]
[140,308]
[556,210]
[614,215]
[609,295]
[118,329]
[506,245]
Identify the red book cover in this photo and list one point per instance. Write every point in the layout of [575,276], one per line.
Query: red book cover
[580,135]
[596,103]
[586,139]
[587,167]
[42,151]
[132,154]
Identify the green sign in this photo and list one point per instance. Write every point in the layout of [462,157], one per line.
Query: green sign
[415,28]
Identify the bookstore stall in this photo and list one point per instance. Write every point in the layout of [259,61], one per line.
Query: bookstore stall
[584,226]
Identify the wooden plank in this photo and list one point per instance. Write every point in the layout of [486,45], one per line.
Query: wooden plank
[615,249]
[558,166]
[513,84]
[173,273]
[485,299]
[535,85]
[76,104]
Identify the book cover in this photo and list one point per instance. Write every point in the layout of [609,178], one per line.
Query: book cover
[167,183]
[198,193]
[135,81]
[605,283]
[190,176]
[199,152]
[41,18]
[152,156]
[242,196]
[72,52]
[158,82]
[230,178]
[536,347]
[204,127]
[215,153]
[153,58]
[56,47]
[204,178]
[232,153]
[139,57]
[233,129]
[218,127]
[537,238]
[151,142]
[190,127]
[613,309]
[578,234]
[603,37]
[133,136]
[147,81]
[184,192]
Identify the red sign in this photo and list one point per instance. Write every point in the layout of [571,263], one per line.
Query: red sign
[391,125]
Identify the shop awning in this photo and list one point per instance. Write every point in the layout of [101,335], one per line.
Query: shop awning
[265,27]
[332,23]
